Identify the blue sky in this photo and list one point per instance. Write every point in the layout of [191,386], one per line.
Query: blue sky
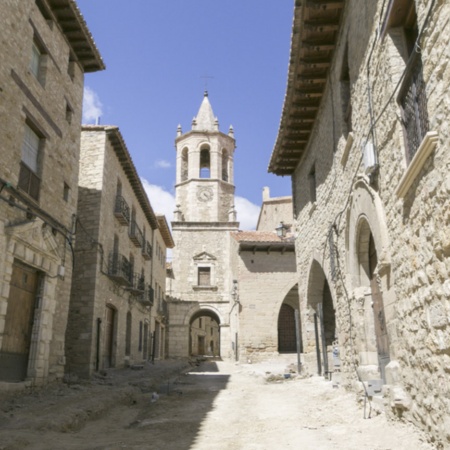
[156,54]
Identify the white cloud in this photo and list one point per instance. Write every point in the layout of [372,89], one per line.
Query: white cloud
[162,164]
[162,201]
[92,106]
[247,213]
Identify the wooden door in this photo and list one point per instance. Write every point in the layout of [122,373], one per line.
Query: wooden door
[109,337]
[201,345]
[18,323]
[287,341]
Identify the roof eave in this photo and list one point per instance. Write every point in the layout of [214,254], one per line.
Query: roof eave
[314,36]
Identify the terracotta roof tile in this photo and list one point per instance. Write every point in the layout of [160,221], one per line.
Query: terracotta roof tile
[258,236]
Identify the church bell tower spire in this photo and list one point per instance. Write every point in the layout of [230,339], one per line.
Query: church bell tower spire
[205,161]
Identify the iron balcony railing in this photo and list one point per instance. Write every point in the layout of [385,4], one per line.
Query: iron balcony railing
[162,307]
[137,283]
[147,250]
[122,210]
[29,182]
[147,296]
[413,101]
[119,268]
[136,234]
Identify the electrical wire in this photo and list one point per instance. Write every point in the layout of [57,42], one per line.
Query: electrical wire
[336,223]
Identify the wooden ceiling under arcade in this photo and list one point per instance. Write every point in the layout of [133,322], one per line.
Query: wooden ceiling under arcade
[314,35]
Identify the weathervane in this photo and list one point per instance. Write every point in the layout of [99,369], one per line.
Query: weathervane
[206,81]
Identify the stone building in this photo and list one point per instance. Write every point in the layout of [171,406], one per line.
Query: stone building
[242,282]
[202,280]
[117,308]
[364,135]
[46,48]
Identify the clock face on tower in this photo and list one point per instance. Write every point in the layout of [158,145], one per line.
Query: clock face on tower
[205,194]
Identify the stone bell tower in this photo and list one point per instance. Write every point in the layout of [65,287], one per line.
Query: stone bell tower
[204,181]
[202,279]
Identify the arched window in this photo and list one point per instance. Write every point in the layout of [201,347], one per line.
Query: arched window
[184,164]
[205,163]
[224,165]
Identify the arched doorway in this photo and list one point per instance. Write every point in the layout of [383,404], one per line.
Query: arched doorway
[323,318]
[368,266]
[287,337]
[204,334]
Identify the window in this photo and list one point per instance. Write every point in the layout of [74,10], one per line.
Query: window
[141,325]
[346,101]
[38,60]
[204,276]
[184,164]
[402,26]
[224,165]
[199,323]
[66,192]
[205,162]
[28,177]
[71,67]
[69,113]
[312,183]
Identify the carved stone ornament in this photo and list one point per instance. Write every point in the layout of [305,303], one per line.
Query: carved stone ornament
[205,194]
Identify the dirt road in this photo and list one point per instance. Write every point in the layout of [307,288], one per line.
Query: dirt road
[216,405]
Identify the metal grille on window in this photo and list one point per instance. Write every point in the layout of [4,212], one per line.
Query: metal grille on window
[413,101]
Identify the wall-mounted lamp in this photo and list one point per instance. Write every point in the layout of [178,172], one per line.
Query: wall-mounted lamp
[281,230]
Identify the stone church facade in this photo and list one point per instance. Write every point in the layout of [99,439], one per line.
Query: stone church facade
[238,280]
[46,49]
[364,135]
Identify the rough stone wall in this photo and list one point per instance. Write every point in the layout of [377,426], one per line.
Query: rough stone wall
[25,99]
[194,247]
[93,290]
[264,283]
[410,232]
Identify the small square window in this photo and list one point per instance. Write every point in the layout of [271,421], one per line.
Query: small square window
[204,276]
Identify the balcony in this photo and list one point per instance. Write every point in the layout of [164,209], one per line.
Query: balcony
[147,251]
[137,283]
[162,308]
[122,210]
[136,235]
[147,296]
[29,182]
[119,268]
